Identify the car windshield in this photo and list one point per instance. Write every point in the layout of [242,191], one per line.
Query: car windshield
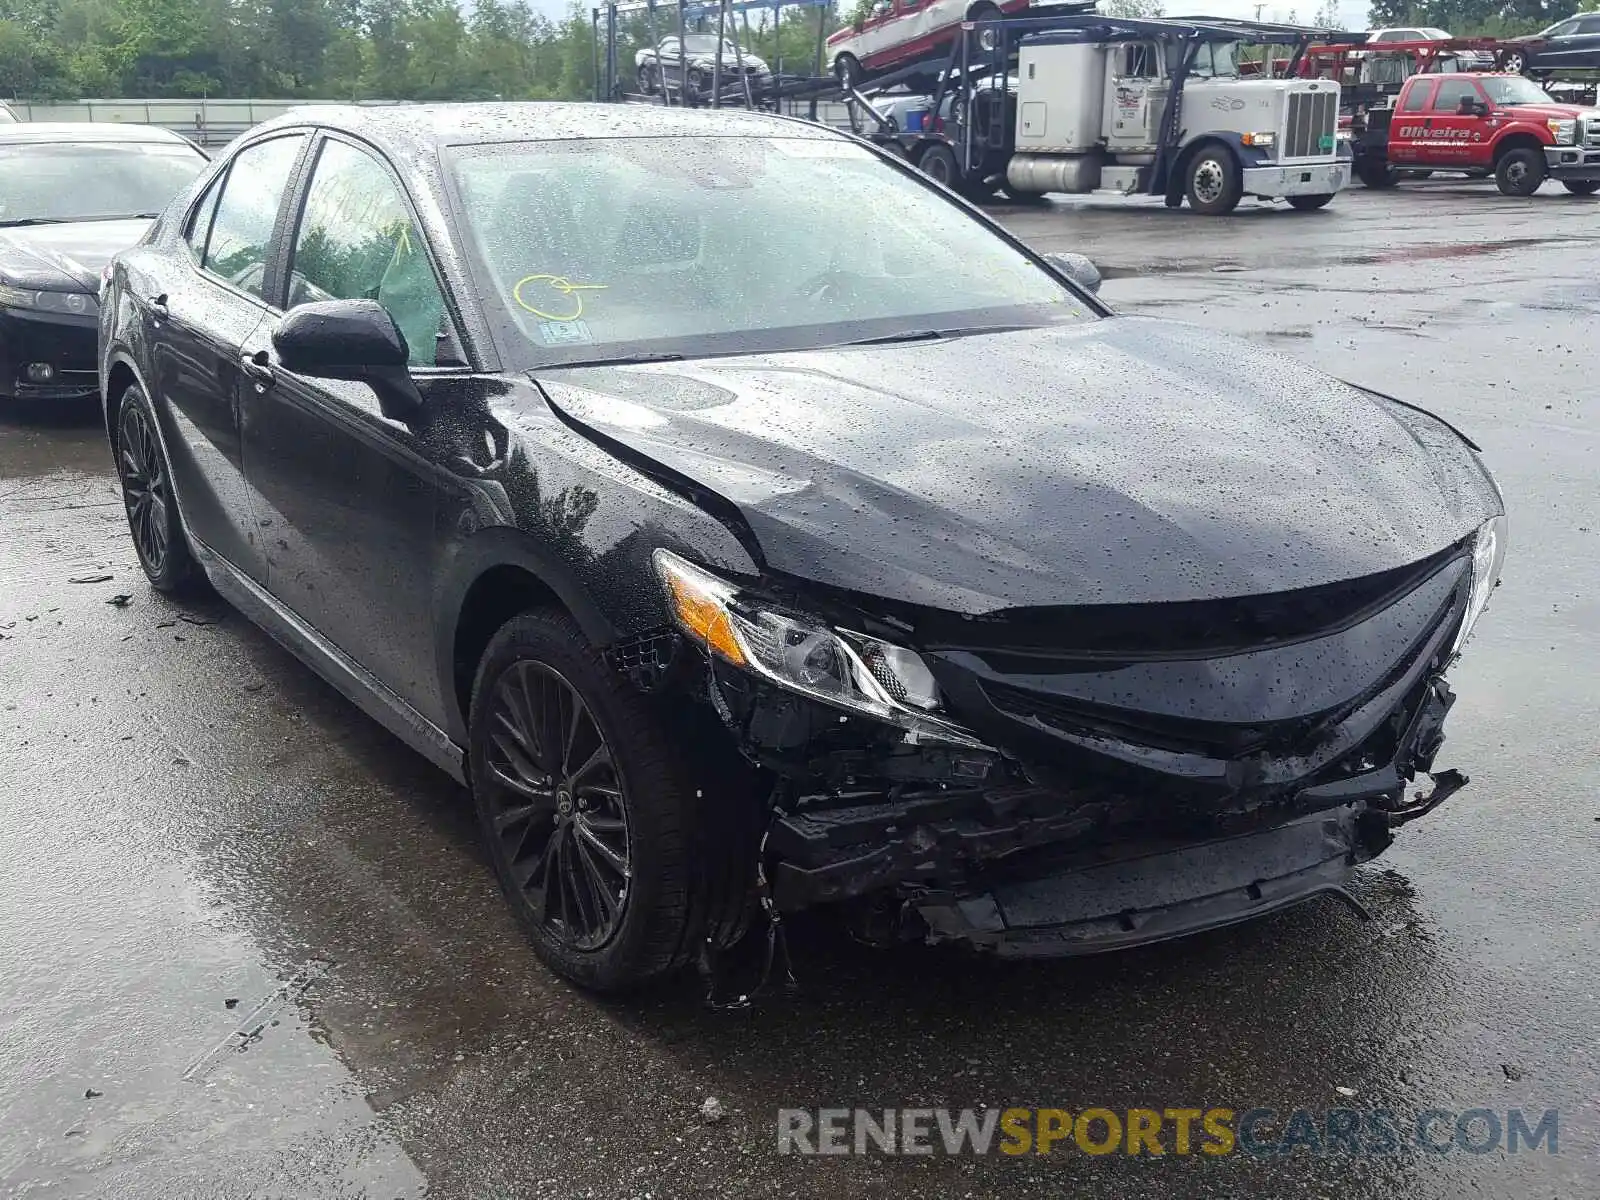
[1513,89]
[617,247]
[87,181]
[706,43]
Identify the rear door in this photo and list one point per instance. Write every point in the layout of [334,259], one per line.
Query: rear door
[347,496]
[199,318]
[1411,122]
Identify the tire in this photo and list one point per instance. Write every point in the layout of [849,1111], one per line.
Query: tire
[1581,187]
[1377,175]
[1520,171]
[847,70]
[699,83]
[938,163]
[647,79]
[1213,182]
[624,821]
[154,521]
[1516,63]
[1309,203]
[985,11]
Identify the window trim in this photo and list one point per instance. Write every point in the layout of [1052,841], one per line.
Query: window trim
[1424,88]
[1473,90]
[284,258]
[217,183]
[224,175]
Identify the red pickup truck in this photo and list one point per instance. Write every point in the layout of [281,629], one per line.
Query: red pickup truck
[1479,123]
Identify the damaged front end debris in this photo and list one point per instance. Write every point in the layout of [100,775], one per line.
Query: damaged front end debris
[1029,793]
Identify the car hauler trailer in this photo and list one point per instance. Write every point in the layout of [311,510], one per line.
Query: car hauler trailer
[669,69]
[1081,102]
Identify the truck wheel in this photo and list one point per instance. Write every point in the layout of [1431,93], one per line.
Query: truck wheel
[1520,172]
[1307,203]
[1215,183]
[938,163]
[647,79]
[1377,175]
[1581,187]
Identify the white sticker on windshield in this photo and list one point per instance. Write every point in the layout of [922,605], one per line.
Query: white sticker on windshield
[818,148]
[565,333]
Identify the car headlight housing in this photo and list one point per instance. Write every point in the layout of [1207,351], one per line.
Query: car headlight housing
[800,653]
[76,304]
[1565,132]
[1488,556]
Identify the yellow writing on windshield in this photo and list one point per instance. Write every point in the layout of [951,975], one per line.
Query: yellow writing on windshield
[566,294]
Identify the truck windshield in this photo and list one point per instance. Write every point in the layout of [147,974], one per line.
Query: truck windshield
[616,247]
[1215,60]
[1513,89]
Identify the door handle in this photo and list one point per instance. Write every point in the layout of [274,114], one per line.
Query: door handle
[259,368]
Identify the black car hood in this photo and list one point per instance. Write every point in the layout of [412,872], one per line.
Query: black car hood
[1116,461]
[49,256]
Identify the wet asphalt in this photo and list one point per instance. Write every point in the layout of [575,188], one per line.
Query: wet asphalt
[249,945]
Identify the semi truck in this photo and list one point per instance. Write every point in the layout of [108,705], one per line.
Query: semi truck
[1085,103]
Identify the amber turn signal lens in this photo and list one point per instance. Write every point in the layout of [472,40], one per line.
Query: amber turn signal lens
[703,617]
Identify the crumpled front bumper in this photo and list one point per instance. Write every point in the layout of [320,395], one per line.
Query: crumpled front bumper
[1153,894]
[1034,870]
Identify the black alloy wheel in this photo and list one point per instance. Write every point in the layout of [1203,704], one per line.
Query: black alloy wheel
[147,496]
[558,808]
[584,807]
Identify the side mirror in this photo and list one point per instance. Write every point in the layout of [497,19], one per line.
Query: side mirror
[351,339]
[1077,267]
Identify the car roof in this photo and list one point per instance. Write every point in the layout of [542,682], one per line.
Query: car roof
[87,131]
[429,126]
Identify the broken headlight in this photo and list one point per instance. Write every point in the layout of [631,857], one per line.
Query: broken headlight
[1488,554]
[803,654]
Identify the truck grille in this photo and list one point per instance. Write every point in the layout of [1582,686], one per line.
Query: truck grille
[1309,123]
[1591,131]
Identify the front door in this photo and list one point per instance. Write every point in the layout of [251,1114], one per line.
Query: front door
[207,311]
[1456,139]
[346,496]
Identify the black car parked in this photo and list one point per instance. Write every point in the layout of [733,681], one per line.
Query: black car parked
[1567,46]
[71,196]
[753,525]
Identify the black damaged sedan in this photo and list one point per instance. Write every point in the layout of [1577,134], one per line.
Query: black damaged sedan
[71,196]
[754,526]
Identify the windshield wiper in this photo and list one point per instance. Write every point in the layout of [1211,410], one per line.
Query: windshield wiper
[18,222]
[931,335]
[621,360]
